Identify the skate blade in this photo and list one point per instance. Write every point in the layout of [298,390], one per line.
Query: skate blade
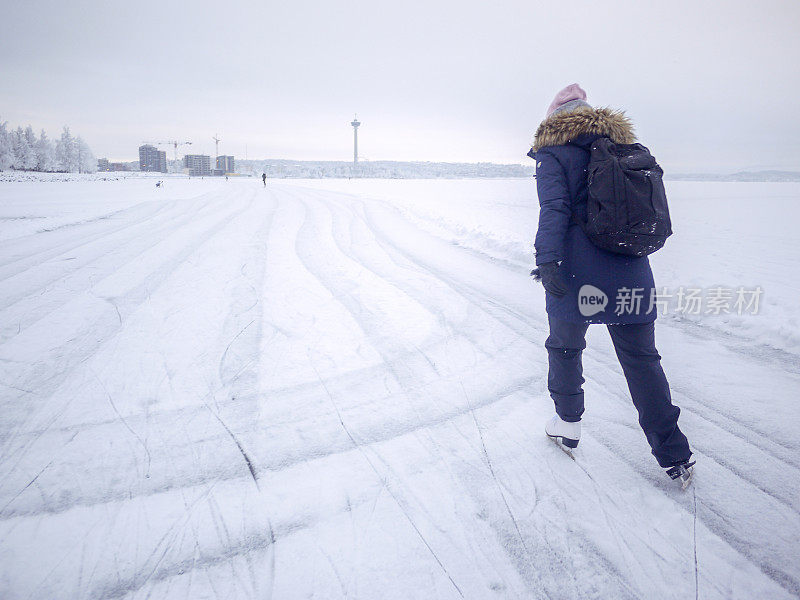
[557,441]
[685,482]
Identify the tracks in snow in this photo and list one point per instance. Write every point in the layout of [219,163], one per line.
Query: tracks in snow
[325,349]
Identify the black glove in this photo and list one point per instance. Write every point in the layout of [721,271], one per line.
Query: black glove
[551,279]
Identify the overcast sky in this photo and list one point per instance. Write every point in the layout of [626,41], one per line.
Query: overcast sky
[710,85]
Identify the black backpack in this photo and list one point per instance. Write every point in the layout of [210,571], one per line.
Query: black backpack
[627,209]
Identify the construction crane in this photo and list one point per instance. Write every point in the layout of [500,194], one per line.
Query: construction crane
[175,144]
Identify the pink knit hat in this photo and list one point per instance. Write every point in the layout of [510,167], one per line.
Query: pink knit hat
[568,94]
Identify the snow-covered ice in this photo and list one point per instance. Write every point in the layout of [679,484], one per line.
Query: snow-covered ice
[337,389]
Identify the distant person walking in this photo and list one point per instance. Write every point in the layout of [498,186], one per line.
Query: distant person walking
[264,179]
[583,281]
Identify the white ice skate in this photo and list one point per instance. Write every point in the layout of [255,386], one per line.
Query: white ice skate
[683,471]
[565,435]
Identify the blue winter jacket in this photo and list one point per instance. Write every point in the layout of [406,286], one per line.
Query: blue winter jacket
[604,287]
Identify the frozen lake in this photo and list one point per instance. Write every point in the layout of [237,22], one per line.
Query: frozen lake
[337,389]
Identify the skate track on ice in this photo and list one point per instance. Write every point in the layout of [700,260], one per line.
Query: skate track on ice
[292,393]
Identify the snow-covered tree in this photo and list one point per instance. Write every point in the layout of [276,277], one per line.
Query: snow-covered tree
[6,149]
[87,163]
[66,152]
[28,146]
[45,154]
[19,146]
[21,149]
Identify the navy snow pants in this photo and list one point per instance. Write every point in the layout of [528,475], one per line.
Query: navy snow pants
[641,364]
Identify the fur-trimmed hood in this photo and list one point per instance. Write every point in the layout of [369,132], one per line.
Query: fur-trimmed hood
[562,127]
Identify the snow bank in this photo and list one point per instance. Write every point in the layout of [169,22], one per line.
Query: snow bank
[34,176]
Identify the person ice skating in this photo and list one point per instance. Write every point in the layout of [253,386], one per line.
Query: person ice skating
[583,282]
[264,179]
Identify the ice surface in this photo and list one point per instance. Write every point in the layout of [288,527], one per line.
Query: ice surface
[337,389]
